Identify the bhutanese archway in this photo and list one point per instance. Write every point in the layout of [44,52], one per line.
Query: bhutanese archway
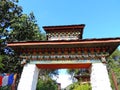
[65,48]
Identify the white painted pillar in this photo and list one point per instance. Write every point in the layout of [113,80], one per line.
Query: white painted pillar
[29,77]
[99,77]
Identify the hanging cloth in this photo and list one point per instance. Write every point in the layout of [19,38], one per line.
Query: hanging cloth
[5,80]
[10,79]
[1,80]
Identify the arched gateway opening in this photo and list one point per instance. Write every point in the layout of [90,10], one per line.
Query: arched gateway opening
[65,48]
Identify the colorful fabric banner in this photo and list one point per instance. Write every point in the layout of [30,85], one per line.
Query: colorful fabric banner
[1,80]
[10,79]
[6,79]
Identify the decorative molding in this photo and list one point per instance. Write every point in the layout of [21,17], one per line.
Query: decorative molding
[64,61]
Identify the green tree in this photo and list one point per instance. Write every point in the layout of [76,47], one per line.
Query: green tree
[113,64]
[9,11]
[15,26]
[78,86]
[25,29]
[46,83]
[1,64]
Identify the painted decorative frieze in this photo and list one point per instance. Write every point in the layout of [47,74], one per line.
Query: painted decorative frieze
[69,35]
[64,53]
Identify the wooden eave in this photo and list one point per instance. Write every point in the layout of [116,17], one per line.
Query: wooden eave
[63,27]
[83,43]
[86,42]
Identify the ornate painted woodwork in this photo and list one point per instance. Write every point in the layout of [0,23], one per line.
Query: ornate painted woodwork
[75,53]
[69,35]
[65,48]
[69,32]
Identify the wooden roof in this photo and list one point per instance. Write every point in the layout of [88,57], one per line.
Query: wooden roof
[85,42]
[101,42]
[64,27]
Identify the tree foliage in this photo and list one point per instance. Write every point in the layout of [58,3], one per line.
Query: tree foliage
[9,12]
[113,64]
[46,84]
[78,86]
[45,81]
[15,26]
[25,29]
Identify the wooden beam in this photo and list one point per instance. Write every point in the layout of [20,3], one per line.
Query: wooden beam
[68,66]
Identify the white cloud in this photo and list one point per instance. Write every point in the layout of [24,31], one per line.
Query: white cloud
[64,79]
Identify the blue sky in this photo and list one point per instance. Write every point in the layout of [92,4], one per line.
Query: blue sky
[101,17]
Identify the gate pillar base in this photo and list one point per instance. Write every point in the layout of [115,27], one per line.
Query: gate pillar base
[28,78]
[99,77]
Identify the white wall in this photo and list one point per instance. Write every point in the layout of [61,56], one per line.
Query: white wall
[99,77]
[29,77]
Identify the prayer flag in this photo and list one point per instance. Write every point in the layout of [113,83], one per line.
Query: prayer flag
[10,79]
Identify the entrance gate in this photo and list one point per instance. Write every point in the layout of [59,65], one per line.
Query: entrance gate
[65,48]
